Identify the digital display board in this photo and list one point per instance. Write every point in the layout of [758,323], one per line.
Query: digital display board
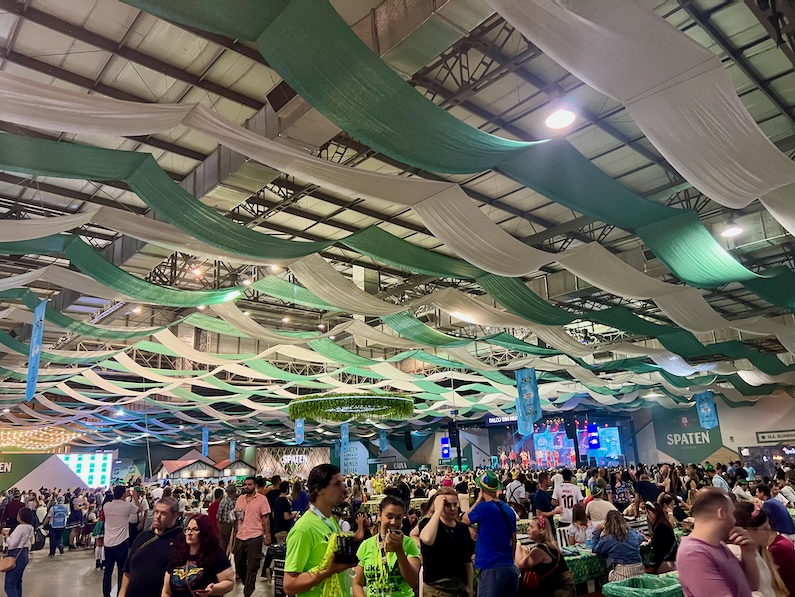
[93,469]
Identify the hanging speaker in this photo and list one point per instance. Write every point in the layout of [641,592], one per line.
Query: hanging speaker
[407,439]
[571,430]
[452,432]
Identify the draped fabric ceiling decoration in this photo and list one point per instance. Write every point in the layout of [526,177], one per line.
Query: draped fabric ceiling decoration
[210,257]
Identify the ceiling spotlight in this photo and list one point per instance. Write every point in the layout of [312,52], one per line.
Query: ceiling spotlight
[245,313]
[285,320]
[201,307]
[244,280]
[119,413]
[197,271]
[321,326]
[331,337]
[276,268]
[137,310]
[731,229]
[562,117]
[6,410]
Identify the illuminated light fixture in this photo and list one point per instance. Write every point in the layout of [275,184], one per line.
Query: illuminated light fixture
[462,316]
[561,117]
[331,337]
[197,271]
[6,410]
[119,413]
[137,310]
[731,229]
[285,320]
[321,326]
[245,313]
[245,280]
[201,307]
[275,268]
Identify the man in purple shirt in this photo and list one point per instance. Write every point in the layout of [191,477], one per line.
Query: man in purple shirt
[706,566]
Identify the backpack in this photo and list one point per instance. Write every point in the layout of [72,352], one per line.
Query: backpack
[59,516]
[38,540]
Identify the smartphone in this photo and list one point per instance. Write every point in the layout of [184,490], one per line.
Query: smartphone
[394,531]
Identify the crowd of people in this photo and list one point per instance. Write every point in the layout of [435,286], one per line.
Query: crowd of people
[461,541]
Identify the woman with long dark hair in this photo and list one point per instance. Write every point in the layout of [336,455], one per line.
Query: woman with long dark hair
[620,491]
[198,565]
[663,540]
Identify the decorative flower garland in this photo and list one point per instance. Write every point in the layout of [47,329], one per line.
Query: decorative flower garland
[344,407]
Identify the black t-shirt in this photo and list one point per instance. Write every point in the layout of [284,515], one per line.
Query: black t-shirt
[647,490]
[280,508]
[405,491]
[196,577]
[148,561]
[449,554]
[462,487]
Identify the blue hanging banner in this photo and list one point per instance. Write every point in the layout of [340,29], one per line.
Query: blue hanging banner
[344,437]
[205,441]
[705,406]
[232,451]
[35,350]
[299,431]
[336,448]
[383,444]
[528,402]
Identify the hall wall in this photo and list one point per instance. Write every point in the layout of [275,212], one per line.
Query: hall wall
[737,427]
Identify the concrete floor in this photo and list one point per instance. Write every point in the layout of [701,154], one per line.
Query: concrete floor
[73,573]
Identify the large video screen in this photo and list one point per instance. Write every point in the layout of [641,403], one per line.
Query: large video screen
[552,449]
[93,469]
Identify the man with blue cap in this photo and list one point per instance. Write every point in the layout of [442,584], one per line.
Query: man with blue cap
[496,540]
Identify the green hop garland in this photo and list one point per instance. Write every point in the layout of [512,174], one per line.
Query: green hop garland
[344,407]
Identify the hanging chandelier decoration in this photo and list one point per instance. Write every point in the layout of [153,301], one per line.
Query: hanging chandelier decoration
[345,407]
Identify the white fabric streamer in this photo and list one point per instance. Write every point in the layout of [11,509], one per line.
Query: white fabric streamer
[676,90]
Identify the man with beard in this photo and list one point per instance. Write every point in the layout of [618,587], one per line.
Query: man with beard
[150,552]
[308,540]
[252,526]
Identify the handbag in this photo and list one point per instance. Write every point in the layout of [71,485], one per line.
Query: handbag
[531,580]
[8,563]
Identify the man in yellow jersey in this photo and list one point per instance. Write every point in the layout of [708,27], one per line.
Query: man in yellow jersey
[308,540]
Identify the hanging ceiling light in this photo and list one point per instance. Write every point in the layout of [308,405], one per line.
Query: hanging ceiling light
[137,310]
[244,280]
[197,271]
[731,229]
[562,116]
[201,307]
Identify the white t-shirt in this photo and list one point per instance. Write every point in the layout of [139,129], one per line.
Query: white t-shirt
[157,493]
[557,480]
[136,516]
[566,495]
[597,510]
[781,498]
[515,492]
[117,516]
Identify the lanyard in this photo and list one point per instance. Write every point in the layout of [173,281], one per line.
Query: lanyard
[334,528]
[383,569]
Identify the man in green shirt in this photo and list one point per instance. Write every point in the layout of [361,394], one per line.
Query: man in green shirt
[307,541]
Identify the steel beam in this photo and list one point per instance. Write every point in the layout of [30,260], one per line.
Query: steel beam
[27,12]
[703,20]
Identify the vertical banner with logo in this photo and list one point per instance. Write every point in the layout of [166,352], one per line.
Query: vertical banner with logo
[232,450]
[205,441]
[299,431]
[705,405]
[383,444]
[35,350]
[528,402]
[344,437]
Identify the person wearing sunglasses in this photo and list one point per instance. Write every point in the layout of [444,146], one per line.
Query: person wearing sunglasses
[198,567]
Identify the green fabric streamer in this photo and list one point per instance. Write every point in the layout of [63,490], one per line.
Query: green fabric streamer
[316,52]
[517,298]
[408,326]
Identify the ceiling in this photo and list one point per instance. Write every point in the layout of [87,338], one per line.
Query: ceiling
[491,78]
